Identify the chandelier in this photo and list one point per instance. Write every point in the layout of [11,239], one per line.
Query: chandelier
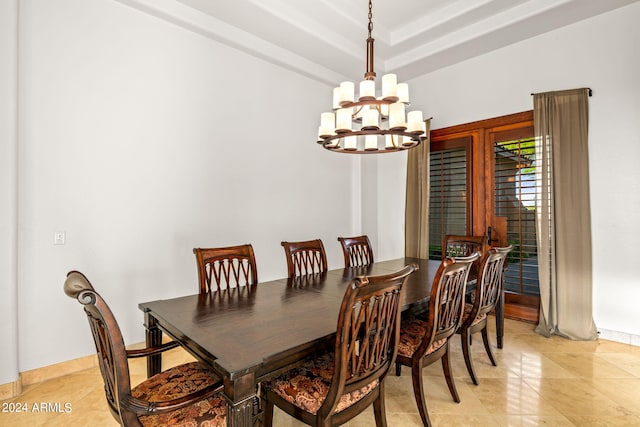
[355,125]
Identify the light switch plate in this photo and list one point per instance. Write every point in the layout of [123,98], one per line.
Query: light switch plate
[59,237]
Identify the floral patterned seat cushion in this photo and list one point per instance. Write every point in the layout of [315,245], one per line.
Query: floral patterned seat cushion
[467,311]
[412,333]
[307,386]
[177,382]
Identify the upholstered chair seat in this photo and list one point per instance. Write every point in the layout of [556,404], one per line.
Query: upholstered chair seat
[411,336]
[178,382]
[468,308]
[307,386]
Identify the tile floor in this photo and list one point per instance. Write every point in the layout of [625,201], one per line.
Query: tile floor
[538,381]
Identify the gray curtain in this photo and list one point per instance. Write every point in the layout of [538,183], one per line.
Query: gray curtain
[563,216]
[416,232]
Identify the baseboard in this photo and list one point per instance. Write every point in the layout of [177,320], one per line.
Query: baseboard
[10,390]
[617,336]
[33,376]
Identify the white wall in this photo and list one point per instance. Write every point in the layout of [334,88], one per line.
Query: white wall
[143,140]
[8,188]
[601,53]
[129,141]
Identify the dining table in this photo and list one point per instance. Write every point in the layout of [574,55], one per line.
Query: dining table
[251,333]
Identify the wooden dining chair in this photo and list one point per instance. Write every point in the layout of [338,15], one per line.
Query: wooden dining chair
[487,293]
[423,342]
[357,251]
[187,394]
[226,267]
[332,388]
[305,257]
[461,246]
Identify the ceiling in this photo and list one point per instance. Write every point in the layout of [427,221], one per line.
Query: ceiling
[326,39]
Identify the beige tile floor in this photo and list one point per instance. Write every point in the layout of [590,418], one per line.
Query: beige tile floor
[538,381]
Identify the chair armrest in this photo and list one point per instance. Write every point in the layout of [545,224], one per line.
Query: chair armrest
[150,351]
[143,407]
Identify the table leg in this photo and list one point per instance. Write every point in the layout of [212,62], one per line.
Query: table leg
[240,394]
[153,337]
[500,319]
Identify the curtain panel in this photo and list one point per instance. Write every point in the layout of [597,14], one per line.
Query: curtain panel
[416,232]
[563,215]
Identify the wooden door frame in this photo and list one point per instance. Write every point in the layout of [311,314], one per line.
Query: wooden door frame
[482,207]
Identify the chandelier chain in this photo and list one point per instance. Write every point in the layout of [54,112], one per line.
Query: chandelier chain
[370,17]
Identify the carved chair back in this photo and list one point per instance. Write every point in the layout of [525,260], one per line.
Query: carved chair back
[108,341]
[446,305]
[490,281]
[305,257]
[224,268]
[357,251]
[368,332]
[463,246]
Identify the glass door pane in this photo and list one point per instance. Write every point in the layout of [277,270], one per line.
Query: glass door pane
[448,207]
[515,193]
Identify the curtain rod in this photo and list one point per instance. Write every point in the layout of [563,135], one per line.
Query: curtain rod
[590,92]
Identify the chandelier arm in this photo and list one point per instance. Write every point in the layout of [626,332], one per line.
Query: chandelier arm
[416,135]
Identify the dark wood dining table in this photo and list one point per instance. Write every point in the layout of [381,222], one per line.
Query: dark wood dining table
[254,332]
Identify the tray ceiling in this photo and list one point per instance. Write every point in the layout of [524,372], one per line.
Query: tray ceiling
[325,39]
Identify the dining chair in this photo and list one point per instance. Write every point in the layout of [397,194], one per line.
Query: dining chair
[334,387]
[461,246]
[357,251]
[305,257]
[227,267]
[487,293]
[188,394]
[422,342]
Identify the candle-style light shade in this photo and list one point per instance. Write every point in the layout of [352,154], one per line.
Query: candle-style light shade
[346,92]
[371,142]
[389,86]
[343,120]
[367,90]
[370,119]
[397,119]
[328,121]
[351,143]
[414,121]
[403,93]
[336,97]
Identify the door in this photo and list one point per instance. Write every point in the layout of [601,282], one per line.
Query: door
[482,183]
